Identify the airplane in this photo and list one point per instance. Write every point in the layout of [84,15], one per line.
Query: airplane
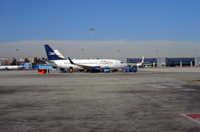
[82,64]
[12,67]
[51,62]
[139,64]
[59,54]
[143,64]
[151,64]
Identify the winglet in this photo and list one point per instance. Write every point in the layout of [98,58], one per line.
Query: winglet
[71,61]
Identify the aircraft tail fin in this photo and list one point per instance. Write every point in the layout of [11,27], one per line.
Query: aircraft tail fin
[51,55]
[143,59]
[59,54]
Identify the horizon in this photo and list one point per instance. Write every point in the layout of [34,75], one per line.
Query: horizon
[148,28]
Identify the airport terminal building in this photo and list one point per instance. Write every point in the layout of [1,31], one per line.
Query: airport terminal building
[168,62]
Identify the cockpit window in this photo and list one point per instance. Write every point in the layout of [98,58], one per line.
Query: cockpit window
[121,62]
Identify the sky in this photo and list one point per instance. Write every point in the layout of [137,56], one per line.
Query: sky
[150,28]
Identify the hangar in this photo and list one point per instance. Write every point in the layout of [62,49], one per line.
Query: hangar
[182,62]
[169,62]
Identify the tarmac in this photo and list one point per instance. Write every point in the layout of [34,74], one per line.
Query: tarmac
[151,100]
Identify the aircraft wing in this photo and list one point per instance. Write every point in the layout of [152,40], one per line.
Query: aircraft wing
[51,63]
[83,66]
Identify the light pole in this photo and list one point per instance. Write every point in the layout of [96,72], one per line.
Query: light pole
[196,51]
[118,53]
[82,52]
[157,52]
[92,29]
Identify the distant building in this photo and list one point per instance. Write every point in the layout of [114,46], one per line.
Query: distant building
[5,61]
[41,61]
[28,65]
[34,60]
[13,61]
[182,62]
[197,61]
[24,60]
[169,62]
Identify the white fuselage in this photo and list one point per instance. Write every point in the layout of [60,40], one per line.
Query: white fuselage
[9,67]
[103,63]
[139,64]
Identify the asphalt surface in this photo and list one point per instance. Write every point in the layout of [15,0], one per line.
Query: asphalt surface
[150,100]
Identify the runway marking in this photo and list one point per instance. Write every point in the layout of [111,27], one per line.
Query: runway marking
[191,80]
[192,117]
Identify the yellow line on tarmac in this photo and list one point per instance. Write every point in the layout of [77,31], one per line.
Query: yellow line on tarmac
[191,80]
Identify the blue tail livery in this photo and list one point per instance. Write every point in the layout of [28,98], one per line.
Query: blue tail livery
[51,55]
